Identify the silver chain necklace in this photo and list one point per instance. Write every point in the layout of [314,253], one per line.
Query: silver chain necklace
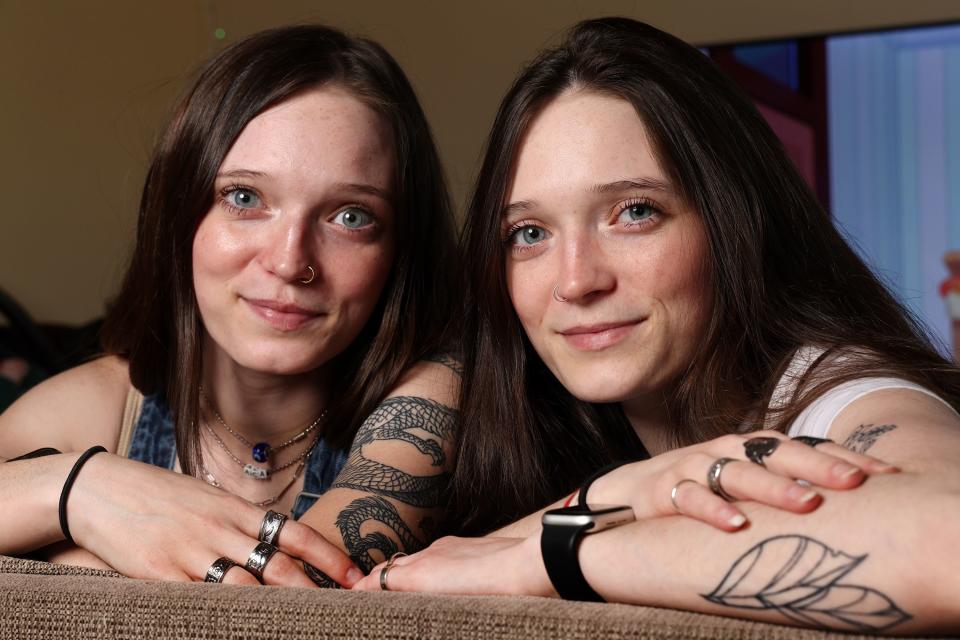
[261,451]
[213,482]
[252,470]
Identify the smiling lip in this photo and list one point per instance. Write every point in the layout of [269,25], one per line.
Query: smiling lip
[595,337]
[282,316]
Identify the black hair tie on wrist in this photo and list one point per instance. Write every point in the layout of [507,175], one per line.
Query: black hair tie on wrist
[582,496]
[71,477]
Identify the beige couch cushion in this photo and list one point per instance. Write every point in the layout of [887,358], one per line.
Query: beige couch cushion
[38,599]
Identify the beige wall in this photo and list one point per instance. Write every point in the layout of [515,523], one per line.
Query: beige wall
[86,85]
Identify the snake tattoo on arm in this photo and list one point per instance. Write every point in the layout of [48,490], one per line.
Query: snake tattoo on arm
[372,523]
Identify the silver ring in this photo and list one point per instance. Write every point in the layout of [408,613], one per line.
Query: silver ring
[675,490]
[557,296]
[313,275]
[219,569]
[259,558]
[713,478]
[270,527]
[386,569]
[757,449]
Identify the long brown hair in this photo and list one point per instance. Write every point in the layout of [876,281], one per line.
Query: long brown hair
[154,322]
[781,277]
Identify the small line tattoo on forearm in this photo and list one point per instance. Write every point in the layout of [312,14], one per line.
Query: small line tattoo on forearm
[865,436]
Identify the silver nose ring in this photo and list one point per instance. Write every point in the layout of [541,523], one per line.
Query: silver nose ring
[557,296]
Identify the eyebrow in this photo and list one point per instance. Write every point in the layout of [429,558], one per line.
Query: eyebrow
[645,184]
[241,173]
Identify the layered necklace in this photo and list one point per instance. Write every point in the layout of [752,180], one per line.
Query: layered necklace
[261,451]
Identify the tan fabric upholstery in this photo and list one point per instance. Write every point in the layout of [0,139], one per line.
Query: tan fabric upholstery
[38,599]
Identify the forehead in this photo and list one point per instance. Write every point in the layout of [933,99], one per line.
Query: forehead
[324,132]
[582,137]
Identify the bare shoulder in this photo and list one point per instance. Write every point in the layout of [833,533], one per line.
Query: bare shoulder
[72,410]
[436,379]
[900,425]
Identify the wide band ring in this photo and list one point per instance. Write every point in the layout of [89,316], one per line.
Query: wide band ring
[812,441]
[386,569]
[270,527]
[259,558]
[759,448]
[675,491]
[713,478]
[219,569]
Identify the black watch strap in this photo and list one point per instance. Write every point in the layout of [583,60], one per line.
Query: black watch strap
[559,545]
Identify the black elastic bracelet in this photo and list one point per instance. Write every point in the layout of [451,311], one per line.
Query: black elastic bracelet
[71,477]
[582,495]
[36,453]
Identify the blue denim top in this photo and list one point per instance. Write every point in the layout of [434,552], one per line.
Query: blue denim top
[154,442]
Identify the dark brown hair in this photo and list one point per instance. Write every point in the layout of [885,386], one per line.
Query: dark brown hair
[781,277]
[154,321]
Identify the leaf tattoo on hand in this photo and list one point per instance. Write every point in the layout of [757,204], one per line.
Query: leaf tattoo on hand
[806,586]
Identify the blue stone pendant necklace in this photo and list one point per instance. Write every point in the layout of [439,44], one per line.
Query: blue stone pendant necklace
[260,451]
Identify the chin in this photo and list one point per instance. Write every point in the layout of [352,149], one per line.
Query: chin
[600,387]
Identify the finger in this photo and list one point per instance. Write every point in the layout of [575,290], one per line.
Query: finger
[749,481]
[372,581]
[239,576]
[698,502]
[814,465]
[869,464]
[284,571]
[301,541]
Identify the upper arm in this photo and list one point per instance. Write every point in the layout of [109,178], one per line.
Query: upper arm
[904,427]
[73,410]
[389,495]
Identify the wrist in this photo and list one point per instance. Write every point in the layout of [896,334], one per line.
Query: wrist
[537,582]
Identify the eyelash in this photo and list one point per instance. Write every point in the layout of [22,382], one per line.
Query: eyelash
[516,226]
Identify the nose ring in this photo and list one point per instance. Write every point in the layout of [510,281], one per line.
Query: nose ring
[313,275]
[557,296]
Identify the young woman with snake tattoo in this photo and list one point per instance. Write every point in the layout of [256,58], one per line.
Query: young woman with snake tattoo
[659,286]
[284,300]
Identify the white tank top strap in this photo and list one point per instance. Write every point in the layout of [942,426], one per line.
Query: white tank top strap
[131,413]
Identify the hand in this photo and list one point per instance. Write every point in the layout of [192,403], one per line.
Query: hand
[468,566]
[151,523]
[648,485]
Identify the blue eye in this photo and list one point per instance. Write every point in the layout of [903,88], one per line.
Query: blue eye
[528,235]
[636,212]
[353,218]
[242,198]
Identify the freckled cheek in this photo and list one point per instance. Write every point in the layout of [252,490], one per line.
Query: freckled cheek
[215,251]
[360,275]
[526,290]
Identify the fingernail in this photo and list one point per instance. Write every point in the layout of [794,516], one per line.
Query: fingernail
[884,467]
[737,520]
[354,575]
[843,470]
[802,494]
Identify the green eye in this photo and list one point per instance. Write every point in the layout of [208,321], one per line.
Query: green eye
[354,218]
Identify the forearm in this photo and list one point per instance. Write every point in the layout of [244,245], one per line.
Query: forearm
[29,495]
[876,559]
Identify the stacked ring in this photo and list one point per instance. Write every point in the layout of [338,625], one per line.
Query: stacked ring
[219,569]
[259,558]
[386,569]
[270,527]
[759,448]
[713,478]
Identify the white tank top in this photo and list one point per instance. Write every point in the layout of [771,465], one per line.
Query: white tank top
[817,419]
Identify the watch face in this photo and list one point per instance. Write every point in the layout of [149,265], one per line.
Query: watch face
[596,518]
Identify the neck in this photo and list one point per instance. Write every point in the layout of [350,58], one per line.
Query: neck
[650,417]
[262,406]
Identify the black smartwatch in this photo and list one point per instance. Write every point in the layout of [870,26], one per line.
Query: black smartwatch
[562,531]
